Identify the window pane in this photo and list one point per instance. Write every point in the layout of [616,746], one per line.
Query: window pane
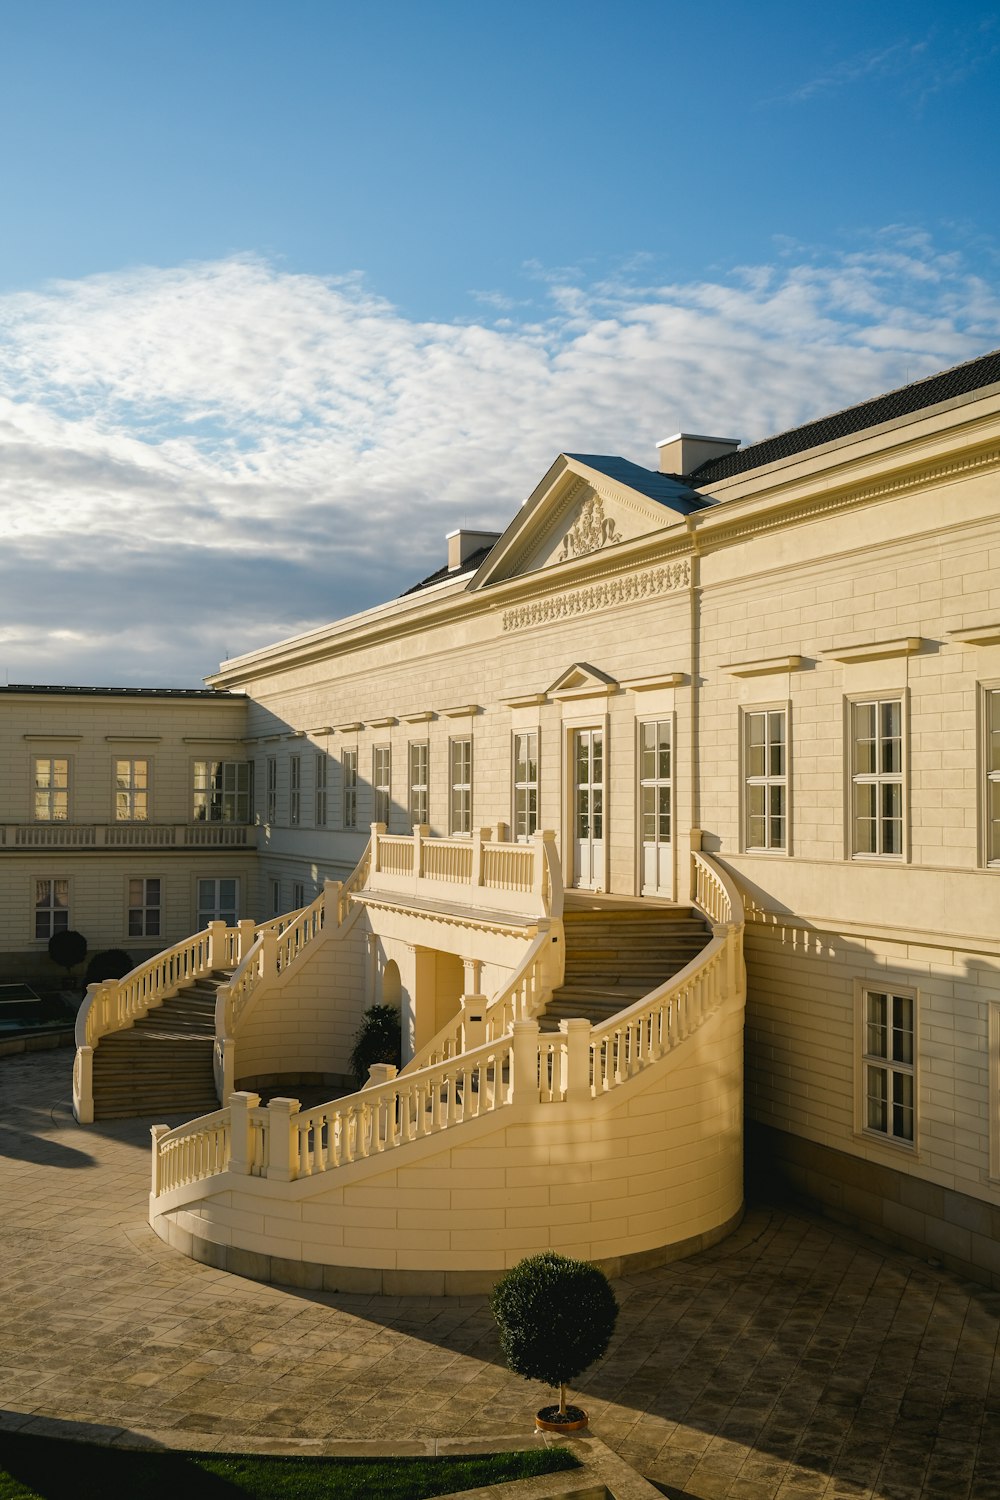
[756,751]
[776,815]
[892,817]
[902,1029]
[598,813]
[864,739]
[864,820]
[877,1033]
[664,831]
[877,1099]
[649,814]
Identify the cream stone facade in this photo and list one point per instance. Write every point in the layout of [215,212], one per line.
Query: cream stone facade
[759,687]
[109,824]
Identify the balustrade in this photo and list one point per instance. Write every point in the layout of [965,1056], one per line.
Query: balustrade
[57,835]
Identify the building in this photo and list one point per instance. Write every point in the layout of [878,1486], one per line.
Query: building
[761,684]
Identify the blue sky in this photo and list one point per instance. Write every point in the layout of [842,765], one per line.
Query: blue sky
[288,292]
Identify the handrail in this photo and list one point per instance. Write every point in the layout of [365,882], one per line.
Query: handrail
[524,995]
[473,870]
[576,1063]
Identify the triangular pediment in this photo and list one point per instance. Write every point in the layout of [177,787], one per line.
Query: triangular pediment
[586,504]
[582,681]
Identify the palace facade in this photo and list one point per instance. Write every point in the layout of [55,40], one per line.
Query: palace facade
[677,801]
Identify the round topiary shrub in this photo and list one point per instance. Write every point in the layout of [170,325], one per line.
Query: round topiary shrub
[110,963]
[379,1040]
[67,949]
[555,1316]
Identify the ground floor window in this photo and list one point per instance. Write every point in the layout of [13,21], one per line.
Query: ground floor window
[298,895]
[218,901]
[525,784]
[51,908]
[888,1032]
[144,907]
[349,767]
[419,756]
[461,786]
[766,771]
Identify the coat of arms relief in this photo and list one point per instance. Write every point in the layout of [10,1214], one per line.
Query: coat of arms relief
[592,531]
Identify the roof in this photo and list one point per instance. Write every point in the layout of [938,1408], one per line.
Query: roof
[960,380]
[666,489]
[470,565]
[119,692]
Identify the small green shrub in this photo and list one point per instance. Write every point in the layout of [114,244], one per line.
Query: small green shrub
[110,963]
[67,949]
[555,1316]
[379,1040]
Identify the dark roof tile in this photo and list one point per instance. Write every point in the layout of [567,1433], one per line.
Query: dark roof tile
[960,380]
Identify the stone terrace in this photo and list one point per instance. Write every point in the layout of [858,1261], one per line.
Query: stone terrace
[795,1360]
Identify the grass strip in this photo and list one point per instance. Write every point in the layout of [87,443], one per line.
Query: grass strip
[40,1468]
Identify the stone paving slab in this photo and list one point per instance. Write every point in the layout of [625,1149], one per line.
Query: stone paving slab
[795,1361]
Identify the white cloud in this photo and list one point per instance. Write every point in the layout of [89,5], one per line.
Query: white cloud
[199,459]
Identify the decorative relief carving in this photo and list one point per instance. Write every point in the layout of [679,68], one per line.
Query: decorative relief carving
[592,531]
[625,590]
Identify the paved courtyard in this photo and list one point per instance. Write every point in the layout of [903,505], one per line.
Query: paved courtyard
[795,1360]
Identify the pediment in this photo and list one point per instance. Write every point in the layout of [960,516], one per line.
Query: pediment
[582,681]
[580,509]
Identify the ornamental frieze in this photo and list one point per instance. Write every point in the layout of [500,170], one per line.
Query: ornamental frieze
[597,596]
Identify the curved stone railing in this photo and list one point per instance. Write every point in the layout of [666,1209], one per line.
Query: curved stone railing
[580,1062]
[277,946]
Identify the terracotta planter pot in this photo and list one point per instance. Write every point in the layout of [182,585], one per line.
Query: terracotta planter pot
[547,1419]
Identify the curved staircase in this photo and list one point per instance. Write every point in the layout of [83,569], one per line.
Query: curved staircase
[617,952]
[162,1064]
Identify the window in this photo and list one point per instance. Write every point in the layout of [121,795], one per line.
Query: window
[271,806]
[222,791]
[143,908]
[51,791]
[131,791]
[218,901]
[275,897]
[765,761]
[525,784]
[461,785]
[382,782]
[993,776]
[349,764]
[877,777]
[887,1064]
[321,783]
[295,791]
[298,895]
[654,781]
[51,908]
[419,759]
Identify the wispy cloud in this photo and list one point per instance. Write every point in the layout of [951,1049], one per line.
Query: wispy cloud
[196,460]
[915,70]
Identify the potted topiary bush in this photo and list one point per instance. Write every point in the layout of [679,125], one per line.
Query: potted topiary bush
[110,963]
[379,1040]
[556,1316]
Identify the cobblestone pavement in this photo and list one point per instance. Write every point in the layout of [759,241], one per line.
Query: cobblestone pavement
[794,1360]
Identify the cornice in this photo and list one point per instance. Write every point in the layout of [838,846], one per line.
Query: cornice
[714,530]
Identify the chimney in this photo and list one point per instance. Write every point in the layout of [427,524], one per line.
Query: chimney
[686,451]
[462,544]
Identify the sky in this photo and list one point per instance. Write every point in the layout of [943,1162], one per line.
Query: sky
[289,292]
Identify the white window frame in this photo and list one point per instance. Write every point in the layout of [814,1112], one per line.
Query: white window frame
[990,775]
[298,894]
[131,789]
[274,882]
[418,762]
[322,782]
[892,1067]
[381,783]
[460,773]
[219,796]
[271,790]
[879,779]
[51,906]
[145,907]
[769,780]
[55,794]
[524,817]
[294,791]
[216,881]
[349,789]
